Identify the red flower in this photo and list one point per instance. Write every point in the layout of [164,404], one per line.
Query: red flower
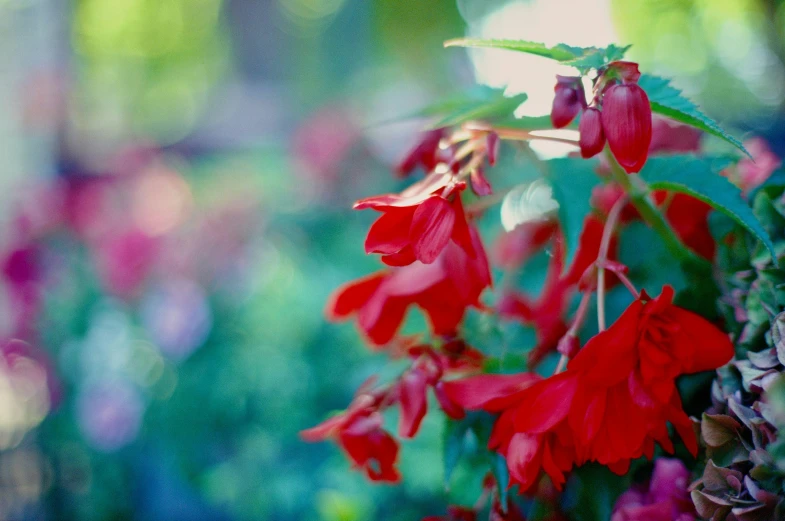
[443,290]
[418,223]
[626,120]
[358,431]
[627,378]
[568,101]
[613,401]
[592,137]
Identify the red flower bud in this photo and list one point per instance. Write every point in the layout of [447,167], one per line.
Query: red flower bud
[568,100]
[626,119]
[479,182]
[592,136]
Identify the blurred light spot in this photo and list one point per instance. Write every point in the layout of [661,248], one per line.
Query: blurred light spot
[177,317]
[528,202]
[110,414]
[310,17]
[160,202]
[24,397]
[551,22]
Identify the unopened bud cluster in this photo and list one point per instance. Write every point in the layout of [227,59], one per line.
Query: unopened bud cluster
[619,113]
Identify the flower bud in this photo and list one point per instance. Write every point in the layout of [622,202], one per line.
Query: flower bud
[568,100]
[626,119]
[592,136]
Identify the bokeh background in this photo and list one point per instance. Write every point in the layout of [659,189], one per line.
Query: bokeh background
[175,185]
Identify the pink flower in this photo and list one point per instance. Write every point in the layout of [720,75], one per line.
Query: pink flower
[664,498]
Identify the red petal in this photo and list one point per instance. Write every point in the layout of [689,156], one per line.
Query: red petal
[412,399]
[402,258]
[390,232]
[381,317]
[546,403]
[491,392]
[431,228]
[352,296]
[523,459]
[708,346]
[450,408]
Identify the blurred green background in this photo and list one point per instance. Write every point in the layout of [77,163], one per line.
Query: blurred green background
[175,192]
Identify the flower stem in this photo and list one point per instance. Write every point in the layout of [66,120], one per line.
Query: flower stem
[602,257]
[638,192]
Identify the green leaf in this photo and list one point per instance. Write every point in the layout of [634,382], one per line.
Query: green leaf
[668,101]
[559,52]
[453,440]
[572,180]
[700,178]
[477,103]
[488,107]
[596,58]
[583,58]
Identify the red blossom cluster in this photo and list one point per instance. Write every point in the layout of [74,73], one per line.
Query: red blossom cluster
[608,402]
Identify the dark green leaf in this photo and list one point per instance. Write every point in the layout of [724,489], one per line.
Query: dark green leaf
[699,178]
[572,180]
[668,101]
[453,441]
[502,476]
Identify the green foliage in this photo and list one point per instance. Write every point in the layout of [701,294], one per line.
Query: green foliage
[572,180]
[700,179]
[668,101]
[478,103]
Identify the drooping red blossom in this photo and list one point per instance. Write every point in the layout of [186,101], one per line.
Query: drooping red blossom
[611,404]
[358,431]
[626,121]
[443,289]
[417,224]
[568,100]
[664,498]
[627,378]
[592,136]
[426,154]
